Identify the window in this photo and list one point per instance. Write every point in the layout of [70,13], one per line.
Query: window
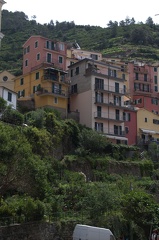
[155,79]
[36,44]
[94,56]
[21,81]
[155,121]
[37,75]
[27,49]
[126,116]
[26,63]
[136,76]
[145,119]
[5,78]
[9,96]
[117,87]
[99,83]
[99,111]
[38,56]
[71,72]
[77,70]
[60,60]
[145,77]
[154,101]
[61,46]
[99,127]
[50,45]
[112,73]
[99,97]
[155,88]
[49,57]
[56,100]
[21,93]
[137,101]
[123,76]
[126,130]
[155,69]
[74,88]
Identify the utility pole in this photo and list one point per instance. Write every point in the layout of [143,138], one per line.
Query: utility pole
[1,34]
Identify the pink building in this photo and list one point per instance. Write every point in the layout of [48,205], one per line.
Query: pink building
[131,126]
[143,86]
[38,50]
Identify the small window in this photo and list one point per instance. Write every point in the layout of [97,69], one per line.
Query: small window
[126,130]
[28,49]
[5,78]
[38,56]
[56,100]
[71,72]
[155,79]
[77,70]
[156,88]
[145,119]
[60,60]
[26,63]
[155,69]
[61,46]
[21,81]
[9,96]
[36,44]
[37,75]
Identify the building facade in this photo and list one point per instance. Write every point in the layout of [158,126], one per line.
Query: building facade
[97,93]
[44,82]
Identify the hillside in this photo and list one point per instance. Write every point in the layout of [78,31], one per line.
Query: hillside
[91,181]
[127,39]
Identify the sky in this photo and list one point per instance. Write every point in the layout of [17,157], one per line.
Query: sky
[86,12]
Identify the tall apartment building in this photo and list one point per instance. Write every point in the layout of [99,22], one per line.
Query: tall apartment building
[44,80]
[97,93]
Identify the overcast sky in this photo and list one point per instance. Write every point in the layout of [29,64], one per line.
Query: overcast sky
[86,12]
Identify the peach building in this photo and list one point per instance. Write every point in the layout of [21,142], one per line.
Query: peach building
[97,93]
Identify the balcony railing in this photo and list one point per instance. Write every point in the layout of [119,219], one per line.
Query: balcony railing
[56,78]
[110,116]
[50,91]
[111,131]
[111,103]
[111,89]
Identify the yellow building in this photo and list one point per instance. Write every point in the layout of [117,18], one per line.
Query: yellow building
[147,126]
[45,86]
[6,80]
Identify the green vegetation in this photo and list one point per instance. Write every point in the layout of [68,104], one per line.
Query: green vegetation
[125,39]
[57,170]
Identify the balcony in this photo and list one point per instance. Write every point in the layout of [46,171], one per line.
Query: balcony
[111,132]
[55,78]
[52,63]
[113,104]
[50,91]
[109,116]
[143,91]
[109,89]
[140,70]
[97,72]
[142,80]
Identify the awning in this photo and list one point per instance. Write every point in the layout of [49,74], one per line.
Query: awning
[148,131]
[116,137]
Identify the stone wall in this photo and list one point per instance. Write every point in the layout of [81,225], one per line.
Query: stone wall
[29,231]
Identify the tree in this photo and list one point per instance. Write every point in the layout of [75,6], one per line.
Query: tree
[140,208]
[91,141]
